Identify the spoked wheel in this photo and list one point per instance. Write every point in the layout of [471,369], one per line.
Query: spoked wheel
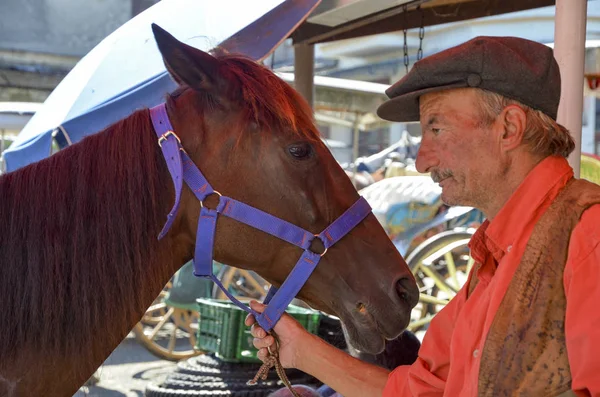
[241,283]
[157,311]
[168,331]
[441,266]
[169,326]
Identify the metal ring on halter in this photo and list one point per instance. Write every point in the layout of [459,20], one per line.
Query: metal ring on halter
[322,253]
[164,137]
[214,192]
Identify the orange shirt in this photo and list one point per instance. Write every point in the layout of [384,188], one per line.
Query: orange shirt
[448,362]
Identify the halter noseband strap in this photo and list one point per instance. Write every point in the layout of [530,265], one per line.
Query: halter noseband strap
[182,168]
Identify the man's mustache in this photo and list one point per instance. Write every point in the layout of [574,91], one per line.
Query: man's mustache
[440,175]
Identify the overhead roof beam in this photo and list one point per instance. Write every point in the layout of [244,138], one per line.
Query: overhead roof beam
[433,13]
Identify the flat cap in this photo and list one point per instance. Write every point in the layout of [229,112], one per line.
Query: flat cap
[516,68]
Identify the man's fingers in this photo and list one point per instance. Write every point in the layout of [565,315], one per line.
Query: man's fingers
[262,354]
[257,306]
[261,343]
[261,339]
[249,319]
[257,331]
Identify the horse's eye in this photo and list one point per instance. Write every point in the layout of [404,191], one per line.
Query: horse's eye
[300,151]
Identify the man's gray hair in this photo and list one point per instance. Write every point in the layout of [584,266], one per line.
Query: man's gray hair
[543,135]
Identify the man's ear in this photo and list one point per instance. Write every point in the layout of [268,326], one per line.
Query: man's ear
[515,122]
[187,65]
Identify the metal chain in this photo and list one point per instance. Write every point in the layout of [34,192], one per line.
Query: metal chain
[405,12]
[421,34]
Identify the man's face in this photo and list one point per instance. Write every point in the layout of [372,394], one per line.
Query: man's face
[461,154]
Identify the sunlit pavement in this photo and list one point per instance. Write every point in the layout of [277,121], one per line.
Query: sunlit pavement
[127,371]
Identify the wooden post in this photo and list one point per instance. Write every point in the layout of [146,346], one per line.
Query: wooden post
[569,51]
[355,144]
[304,71]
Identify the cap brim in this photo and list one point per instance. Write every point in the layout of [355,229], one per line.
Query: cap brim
[405,107]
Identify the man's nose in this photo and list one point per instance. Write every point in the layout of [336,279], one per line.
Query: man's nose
[425,158]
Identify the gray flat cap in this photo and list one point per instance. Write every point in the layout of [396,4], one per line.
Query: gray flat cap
[513,67]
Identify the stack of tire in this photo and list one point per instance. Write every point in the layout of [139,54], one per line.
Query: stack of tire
[208,376]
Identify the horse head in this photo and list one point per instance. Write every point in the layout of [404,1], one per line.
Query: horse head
[254,139]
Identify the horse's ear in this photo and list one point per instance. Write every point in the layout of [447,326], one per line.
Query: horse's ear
[187,65]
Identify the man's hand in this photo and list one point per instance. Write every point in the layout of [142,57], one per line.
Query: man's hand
[291,336]
[309,353]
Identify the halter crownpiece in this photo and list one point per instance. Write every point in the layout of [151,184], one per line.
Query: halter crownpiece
[183,169]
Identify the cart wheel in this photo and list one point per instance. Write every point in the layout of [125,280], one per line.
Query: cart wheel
[241,283]
[167,331]
[441,266]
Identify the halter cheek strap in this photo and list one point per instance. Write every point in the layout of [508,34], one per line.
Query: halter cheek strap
[183,169]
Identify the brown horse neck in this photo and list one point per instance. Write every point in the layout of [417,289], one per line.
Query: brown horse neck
[81,261]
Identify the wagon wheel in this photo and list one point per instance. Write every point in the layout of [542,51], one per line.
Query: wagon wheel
[241,283]
[169,331]
[441,265]
[158,309]
[590,168]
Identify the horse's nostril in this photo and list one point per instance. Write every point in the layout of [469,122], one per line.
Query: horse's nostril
[361,308]
[407,290]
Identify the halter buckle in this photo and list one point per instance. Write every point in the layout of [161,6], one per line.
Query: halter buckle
[165,136]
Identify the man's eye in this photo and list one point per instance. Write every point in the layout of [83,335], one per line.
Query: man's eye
[436,131]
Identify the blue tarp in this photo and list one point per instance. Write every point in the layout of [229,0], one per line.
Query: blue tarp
[148,94]
[125,72]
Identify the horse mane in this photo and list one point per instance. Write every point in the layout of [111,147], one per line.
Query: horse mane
[269,101]
[62,260]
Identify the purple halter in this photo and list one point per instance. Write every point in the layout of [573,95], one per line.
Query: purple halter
[182,168]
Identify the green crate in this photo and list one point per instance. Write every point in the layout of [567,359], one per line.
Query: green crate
[221,329]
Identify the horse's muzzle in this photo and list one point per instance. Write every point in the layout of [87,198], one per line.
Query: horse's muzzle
[407,291]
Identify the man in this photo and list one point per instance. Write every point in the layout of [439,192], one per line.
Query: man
[526,322]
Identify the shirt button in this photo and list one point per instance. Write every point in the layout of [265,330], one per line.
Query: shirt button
[476,353]
[509,248]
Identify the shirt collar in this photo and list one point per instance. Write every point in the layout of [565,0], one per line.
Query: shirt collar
[531,198]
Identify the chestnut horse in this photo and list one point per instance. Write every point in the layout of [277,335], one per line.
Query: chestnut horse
[80,258]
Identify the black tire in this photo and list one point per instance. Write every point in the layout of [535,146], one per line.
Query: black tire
[228,370]
[209,376]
